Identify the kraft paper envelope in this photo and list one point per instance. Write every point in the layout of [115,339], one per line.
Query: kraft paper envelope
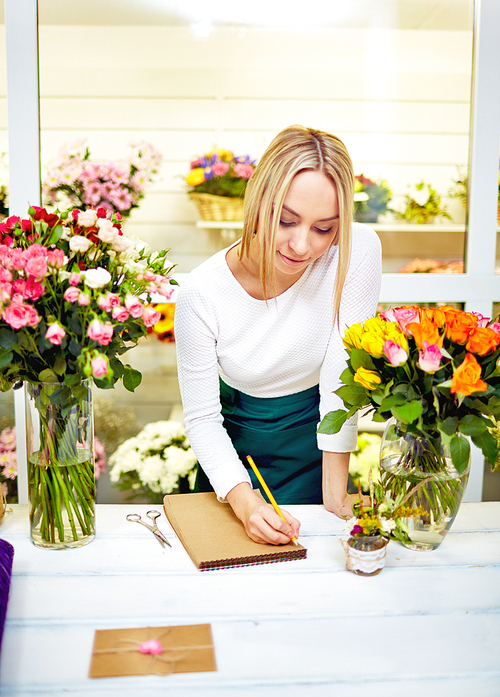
[215,538]
[186,649]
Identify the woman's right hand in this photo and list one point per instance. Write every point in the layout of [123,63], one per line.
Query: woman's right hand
[262,523]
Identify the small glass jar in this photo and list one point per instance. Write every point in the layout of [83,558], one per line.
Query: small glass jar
[366,554]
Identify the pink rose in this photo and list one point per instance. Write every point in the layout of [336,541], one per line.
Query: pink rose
[134,306]
[388,315]
[99,365]
[75,278]
[37,267]
[33,290]
[55,334]
[405,316]
[18,315]
[107,233]
[34,250]
[120,313]
[83,299]
[5,275]
[102,332]
[55,258]
[17,260]
[18,286]
[430,358]
[5,291]
[495,326]
[219,169]
[71,294]
[150,316]
[243,170]
[482,321]
[166,289]
[394,353]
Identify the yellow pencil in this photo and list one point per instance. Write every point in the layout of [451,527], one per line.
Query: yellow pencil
[268,492]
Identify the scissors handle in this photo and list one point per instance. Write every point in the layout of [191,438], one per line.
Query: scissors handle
[135,518]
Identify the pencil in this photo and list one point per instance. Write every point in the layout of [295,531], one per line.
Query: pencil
[268,492]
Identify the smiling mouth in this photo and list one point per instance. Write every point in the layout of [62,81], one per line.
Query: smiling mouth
[292,262]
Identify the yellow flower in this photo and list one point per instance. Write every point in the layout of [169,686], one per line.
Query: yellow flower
[225,155]
[375,325]
[373,344]
[368,378]
[352,336]
[196,176]
[393,333]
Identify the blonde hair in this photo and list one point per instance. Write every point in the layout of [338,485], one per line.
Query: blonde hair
[293,150]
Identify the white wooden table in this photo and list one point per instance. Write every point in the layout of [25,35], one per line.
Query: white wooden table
[429,624]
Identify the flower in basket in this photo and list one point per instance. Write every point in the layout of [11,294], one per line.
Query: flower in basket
[75,295]
[423,206]
[434,371]
[73,178]
[158,461]
[220,173]
[371,199]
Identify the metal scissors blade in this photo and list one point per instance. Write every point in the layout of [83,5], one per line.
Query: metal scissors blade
[136,518]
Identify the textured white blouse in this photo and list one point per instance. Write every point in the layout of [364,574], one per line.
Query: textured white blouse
[268,349]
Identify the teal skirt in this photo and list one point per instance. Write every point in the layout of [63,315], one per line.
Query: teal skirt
[280,435]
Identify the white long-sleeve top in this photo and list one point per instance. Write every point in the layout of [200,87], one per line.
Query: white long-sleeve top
[267,349]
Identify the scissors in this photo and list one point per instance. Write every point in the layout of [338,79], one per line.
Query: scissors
[153,515]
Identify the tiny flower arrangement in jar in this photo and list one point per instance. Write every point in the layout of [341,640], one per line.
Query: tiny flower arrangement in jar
[158,461]
[220,173]
[73,178]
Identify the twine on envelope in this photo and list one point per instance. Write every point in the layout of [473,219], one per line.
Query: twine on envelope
[154,647]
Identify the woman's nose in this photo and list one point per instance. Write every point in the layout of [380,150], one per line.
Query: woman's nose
[299,241]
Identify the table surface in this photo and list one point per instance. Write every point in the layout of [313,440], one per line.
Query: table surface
[428,624]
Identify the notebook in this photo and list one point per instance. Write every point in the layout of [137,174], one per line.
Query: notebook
[215,538]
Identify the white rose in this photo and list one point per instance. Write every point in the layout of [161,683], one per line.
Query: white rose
[97,278]
[121,243]
[78,243]
[387,525]
[107,232]
[87,218]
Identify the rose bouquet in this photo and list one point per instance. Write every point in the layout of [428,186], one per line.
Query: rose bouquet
[220,173]
[434,372]
[74,294]
[158,461]
[116,186]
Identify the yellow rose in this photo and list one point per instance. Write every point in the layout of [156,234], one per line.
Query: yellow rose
[375,325]
[352,336]
[196,176]
[393,333]
[373,344]
[368,378]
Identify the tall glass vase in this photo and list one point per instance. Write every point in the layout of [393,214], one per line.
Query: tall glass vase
[421,469]
[60,448]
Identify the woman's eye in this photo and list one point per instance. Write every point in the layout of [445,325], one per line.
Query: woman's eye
[324,232]
[285,224]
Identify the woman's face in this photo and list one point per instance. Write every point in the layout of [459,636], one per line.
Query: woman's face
[308,223]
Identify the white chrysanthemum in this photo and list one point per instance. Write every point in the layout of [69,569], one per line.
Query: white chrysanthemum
[179,461]
[387,524]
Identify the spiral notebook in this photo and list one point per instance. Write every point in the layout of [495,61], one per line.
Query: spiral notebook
[213,536]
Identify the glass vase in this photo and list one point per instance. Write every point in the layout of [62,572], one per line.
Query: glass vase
[366,554]
[421,469]
[60,450]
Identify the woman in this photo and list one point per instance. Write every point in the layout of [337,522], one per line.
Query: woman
[258,330]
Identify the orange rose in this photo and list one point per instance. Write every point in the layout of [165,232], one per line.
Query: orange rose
[482,341]
[467,377]
[426,330]
[459,325]
[435,314]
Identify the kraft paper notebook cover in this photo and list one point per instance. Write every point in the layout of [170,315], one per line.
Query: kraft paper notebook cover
[213,536]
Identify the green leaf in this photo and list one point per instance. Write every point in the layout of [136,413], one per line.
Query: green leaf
[48,375]
[449,425]
[131,379]
[460,452]
[408,412]
[60,366]
[392,401]
[472,425]
[55,235]
[7,339]
[353,395]
[361,359]
[347,377]
[379,417]
[6,359]
[333,422]
[488,445]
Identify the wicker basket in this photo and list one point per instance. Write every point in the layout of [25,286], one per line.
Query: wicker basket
[219,208]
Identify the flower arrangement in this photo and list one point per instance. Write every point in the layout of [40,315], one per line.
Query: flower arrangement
[220,173]
[370,198]
[74,297]
[4,182]
[433,369]
[116,186]
[423,206]
[432,266]
[459,188]
[364,460]
[158,461]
